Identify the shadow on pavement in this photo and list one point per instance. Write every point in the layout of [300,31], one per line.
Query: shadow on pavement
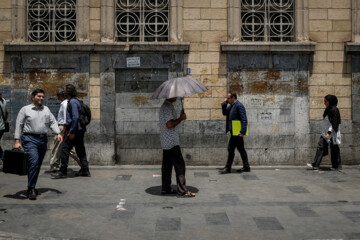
[21,195]
[156,190]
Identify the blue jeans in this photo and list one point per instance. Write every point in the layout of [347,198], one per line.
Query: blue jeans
[36,147]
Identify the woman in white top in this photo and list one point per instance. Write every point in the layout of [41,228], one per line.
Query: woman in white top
[330,135]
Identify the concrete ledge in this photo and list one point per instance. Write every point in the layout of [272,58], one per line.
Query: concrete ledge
[352,47]
[96,47]
[264,47]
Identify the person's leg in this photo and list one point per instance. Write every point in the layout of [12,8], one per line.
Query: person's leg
[335,156]
[166,170]
[65,151]
[231,152]
[41,149]
[179,166]
[1,150]
[80,150]
[241,148]
[55,154]
[320,152]
[74,156]
[30,146]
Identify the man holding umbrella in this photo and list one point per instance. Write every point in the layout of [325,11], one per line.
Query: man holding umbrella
[170,144]
[169,136]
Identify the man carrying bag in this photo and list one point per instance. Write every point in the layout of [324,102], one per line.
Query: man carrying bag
[4,125]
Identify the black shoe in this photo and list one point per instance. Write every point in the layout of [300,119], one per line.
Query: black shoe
[59,174]
[225,170]
[243,170]
[83,173]
[31,193]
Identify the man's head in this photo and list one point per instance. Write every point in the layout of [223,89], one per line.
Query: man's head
[60,94]
[231,97]
[70,91]
[37,97]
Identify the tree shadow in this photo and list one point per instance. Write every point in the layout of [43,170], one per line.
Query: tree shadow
[21,195]
[156,190]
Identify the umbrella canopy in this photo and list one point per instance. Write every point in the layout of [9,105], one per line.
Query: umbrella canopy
[179,87]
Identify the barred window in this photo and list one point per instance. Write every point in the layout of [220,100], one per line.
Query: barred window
[51,20]
[142,20]
[267,20]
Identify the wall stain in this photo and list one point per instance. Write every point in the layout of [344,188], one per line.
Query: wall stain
[273,75]
[140,100]
[270,88]
[204,70]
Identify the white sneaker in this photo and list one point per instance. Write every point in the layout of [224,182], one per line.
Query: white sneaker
[309,165]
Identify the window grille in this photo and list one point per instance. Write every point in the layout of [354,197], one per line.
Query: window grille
[142,20]
[51,20]
[267,20]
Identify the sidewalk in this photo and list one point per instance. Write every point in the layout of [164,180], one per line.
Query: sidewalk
[124,202]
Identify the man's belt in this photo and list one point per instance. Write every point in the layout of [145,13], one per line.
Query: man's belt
[35,135]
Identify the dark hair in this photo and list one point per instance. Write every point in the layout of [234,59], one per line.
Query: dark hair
[332,99]
[70,90]
[233,95]
[36,91]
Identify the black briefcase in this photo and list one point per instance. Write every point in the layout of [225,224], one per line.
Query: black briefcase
[16,162]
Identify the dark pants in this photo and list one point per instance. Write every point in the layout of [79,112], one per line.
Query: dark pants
[237,142]
[36,147]
[323,150]
[173,157]
[1,134]
[78,143]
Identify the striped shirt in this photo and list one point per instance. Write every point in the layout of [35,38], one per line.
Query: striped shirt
[3,107]
[169,137]
[35,121]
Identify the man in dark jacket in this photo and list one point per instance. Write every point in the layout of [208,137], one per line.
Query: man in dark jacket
[235,110]
[74,136]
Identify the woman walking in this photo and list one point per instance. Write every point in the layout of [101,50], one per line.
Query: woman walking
[330,135]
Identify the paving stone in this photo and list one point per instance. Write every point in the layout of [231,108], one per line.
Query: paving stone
[168,224]
[201,174]
[229,198]
[268,223]
[249,176]
[353,235]
[123,178]
[303,211]
[298,189]
[217,219]
[353,216]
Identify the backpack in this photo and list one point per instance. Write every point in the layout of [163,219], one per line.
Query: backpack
[84,114]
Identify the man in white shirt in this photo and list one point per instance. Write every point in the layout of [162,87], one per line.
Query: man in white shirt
[56,151]
[4,114]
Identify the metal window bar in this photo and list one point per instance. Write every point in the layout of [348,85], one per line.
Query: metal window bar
[51,20]
[267,20]
[142,20]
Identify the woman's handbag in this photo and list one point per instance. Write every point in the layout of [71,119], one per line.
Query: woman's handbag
[6,123]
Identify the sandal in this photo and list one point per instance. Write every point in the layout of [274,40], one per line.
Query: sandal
[187,194]
[171,191]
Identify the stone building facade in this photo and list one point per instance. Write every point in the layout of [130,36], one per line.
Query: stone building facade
[281,57]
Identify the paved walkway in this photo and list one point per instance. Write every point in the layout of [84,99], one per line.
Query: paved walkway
[123,202]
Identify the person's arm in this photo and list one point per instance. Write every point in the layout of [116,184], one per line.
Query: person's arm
[173,123]
[224,107]
[74,117]
[19,128]
[55,127]
[243,117]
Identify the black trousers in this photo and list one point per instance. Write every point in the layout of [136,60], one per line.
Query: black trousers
[323,150]
[78,143]
[1,134]
[237,142]
[173,157]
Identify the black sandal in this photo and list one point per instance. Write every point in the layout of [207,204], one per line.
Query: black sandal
[171,191]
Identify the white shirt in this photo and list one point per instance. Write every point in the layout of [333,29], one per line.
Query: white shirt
[335,136]
[169,137]
[3,107]
[35,120]
[61,118]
